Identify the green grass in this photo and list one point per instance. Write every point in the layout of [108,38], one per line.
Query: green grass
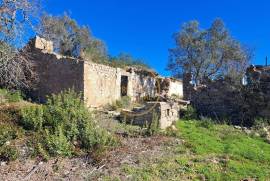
[215,152]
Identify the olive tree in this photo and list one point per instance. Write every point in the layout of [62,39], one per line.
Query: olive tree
[71,39]
[207,54]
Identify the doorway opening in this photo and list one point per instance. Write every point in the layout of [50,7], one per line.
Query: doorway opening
[124,85]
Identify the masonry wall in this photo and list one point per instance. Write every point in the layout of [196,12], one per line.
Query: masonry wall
[142,86]
[56,74]
[166,114]
[101,84]
[176,88]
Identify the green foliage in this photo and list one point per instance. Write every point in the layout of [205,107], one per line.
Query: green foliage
[32,117]
[8,153]
[123,103]
[71,39]
[221,153]
[261,123]
[237,152]
[7,133]
[57,143]
[68,124]
[190,113]
[206,123]
[123,60]
[153,126]
[208,54]
[10,96]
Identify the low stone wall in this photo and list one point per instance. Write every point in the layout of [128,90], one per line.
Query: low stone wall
[166,113]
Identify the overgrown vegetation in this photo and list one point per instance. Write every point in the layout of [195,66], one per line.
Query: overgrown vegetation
[123,103]
[10,96]
[65,124]
[216,152]
[61,127]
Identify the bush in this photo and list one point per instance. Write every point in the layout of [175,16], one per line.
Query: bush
[205,123]
[57,143]
[32,117]
[153,127]
[124,102]
[261,123]
[190,113]
[10,96]
[8,153]
[7,133]
[68,123]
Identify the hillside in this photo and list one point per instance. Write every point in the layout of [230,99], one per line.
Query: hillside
[192,150]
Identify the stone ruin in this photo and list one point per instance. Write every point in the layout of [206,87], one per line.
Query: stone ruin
[99,84]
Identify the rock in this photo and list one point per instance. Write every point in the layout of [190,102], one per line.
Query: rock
[3,163]
[66,172]
[247,131]
[174,128]
[265,129]
[8,143]
[267,139]
[237,127]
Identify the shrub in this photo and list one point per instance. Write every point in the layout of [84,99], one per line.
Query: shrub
[68,123]
[153,126]
[32,117]
[190,113]
[7,133]
[261,123]
[205,122]
[124,102]
[10,96]
[8,153]
[56,143]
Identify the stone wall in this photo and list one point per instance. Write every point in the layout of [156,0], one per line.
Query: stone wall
[56,74]
[166,113]
[101,84]
[176,88]
[142,85]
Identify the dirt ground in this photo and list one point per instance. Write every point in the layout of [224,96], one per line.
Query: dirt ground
[132,151]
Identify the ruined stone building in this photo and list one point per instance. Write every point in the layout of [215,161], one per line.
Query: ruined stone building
[99,84]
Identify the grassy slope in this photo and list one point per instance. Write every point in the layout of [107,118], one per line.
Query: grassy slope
[212,152]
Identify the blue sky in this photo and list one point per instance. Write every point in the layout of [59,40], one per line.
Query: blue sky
[144,28]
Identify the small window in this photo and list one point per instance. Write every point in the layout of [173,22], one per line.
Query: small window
[168,112]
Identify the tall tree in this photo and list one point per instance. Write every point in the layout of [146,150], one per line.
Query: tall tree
[207,54]
[71,39]
[16,16]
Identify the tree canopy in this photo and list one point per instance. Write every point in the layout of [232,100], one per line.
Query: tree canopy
[71,39]
[207,54]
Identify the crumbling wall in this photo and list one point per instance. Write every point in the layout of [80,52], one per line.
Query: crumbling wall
[55,74]
[166,113]
[142,86]
[101,84]
[176,88]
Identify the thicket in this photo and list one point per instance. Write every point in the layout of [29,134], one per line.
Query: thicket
[65,125]
[61,127]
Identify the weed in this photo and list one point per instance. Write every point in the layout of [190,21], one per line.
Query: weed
[8,153]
